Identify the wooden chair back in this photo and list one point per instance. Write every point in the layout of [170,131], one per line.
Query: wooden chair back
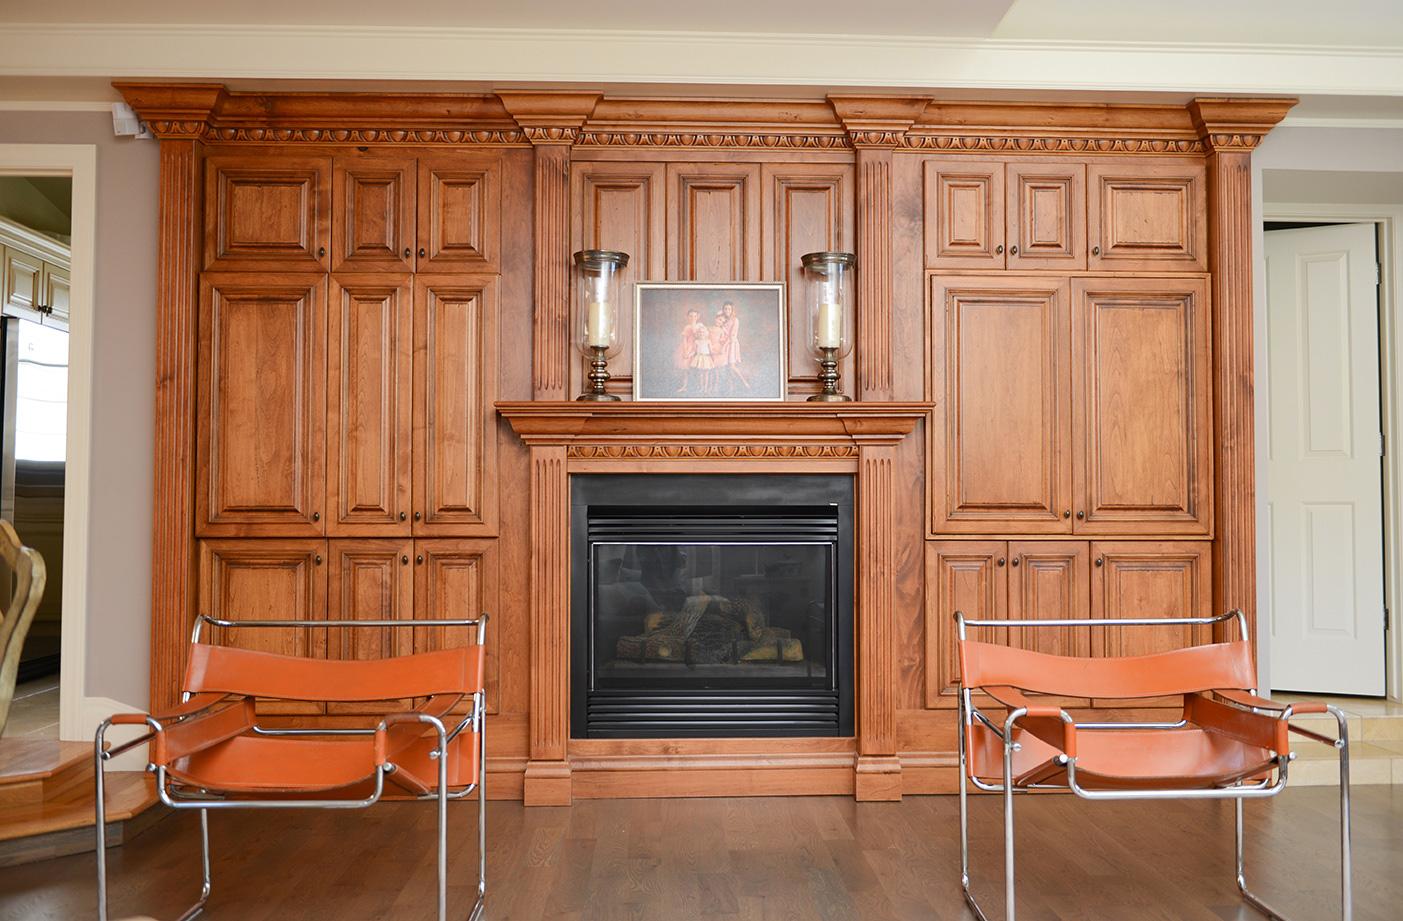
[27,567]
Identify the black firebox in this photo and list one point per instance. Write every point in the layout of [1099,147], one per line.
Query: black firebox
[711,605]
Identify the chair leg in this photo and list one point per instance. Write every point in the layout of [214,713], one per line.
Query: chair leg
[1346,848]
[1009,910]
[481,813]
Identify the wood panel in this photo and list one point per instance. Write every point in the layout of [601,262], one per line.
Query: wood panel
[713,231]
[368,417]
[964,214]
[22,275]
[1050,580]
[459,213]
[999,454]
[374,201]
[619,206]
[262,408]
[267,213]
[807,208]
[969,576]
[455,385]
[1147,215]
[369,580]
[1141,423]
[1046,223]
[267,580]
[457,580]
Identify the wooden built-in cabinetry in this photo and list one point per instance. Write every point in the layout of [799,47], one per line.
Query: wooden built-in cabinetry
[34,276]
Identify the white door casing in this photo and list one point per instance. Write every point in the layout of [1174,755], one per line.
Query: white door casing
[1325,531]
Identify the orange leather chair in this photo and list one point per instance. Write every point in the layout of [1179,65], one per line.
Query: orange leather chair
[209,753]
[1228,744]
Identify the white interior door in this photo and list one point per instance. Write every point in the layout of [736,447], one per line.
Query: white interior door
[1324,472]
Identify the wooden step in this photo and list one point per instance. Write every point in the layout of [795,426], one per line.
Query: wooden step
[35,771]
[65,825]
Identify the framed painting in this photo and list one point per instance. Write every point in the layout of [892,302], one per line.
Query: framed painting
[702,342]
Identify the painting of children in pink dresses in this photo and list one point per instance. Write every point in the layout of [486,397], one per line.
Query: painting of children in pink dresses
[709,342]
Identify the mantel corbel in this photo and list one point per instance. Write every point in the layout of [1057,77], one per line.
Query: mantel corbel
[1236,124]
[174,110]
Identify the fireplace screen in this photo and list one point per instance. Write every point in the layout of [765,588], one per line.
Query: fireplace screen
[712,605]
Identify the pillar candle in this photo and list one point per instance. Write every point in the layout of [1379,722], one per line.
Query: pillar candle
[830,325]
[597,327]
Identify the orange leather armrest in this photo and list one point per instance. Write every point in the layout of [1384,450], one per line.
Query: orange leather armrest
[1252,700]
[129,719]
[1015,700]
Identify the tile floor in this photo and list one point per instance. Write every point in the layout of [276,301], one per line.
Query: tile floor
[1376,741]
[34,712]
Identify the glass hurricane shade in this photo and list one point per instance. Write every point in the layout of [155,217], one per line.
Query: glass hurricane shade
[597,279]
[828,302]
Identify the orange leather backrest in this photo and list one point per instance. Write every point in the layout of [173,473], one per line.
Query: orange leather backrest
[227,670]
[1179,671]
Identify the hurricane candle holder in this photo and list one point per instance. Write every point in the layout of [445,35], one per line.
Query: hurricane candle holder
[597,280]
[828,284]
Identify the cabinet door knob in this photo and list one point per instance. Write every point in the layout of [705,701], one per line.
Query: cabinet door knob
[404,560]
[402,516]
[1001,561]
[999,250]
[321,252]
[316,516]
[1100,561]
[1013,250]
[1081,515]
[408,252]
[1067,513]
[317,559]
[423,252]
[417,516]
[419,558]
[1017,560]
[1096,251]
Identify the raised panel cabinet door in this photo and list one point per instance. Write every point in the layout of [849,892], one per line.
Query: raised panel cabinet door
[808,207]
[266,580]
[373,212]
[369,580]
[1047,215]
[999,375]
[267,213]
[964,214]
[1141,423]
[1150,579]
[57,292]
[714,222]
[457,580]
[1146,215]
[455,424]
[967,576]
[23,279]
[261,435]
[1050,580]
[369,418]
[622,207]
[459,213]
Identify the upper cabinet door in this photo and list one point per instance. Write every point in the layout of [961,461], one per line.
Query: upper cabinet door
[1047,216]
[1141,424]
[455,424]
[369,434]
[23,280]
[267,213]
[714,234]
[262,407]
[969,576]
[620,206]
[807,208]
[460,204]
[999,455]
[1147,215]
[964,214]
[57,289]
[373,230]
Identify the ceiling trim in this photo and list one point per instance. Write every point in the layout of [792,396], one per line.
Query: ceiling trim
[502,56]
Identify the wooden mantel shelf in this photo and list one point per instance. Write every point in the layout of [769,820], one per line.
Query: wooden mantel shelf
[873,423]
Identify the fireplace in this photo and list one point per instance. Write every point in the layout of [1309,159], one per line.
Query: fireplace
[711,605]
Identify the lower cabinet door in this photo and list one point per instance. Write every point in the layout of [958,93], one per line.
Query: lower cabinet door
[369,580]
[456,579]
[1150,579]
[969,576]
[267,580]
[1048,580]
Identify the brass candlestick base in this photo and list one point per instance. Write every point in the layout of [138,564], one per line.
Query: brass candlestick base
[829,378]
[598,377]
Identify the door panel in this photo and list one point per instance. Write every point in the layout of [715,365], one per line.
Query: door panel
[455,424]
[966,576]
[964,214]
[267,214]
[620,206]
[459,213]
[1141,425]
[374,227]
[1047,216]
[262,407]
[1147,215]
[714,234]
[369,580]
[1325,539]
[1048,580]
[266,580]
[1149,579]
[369,418]
[457,580]
[999,455]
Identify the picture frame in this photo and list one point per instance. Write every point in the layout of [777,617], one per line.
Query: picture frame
[707,342]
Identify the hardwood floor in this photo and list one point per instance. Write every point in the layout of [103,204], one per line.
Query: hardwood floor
[766,858]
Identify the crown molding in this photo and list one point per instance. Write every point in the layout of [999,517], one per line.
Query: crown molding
[617,56]
[1236,124]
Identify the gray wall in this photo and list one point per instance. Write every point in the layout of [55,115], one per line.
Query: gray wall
[119,574]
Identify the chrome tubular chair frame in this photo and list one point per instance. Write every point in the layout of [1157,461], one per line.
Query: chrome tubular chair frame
[1238,792]
[176,798]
